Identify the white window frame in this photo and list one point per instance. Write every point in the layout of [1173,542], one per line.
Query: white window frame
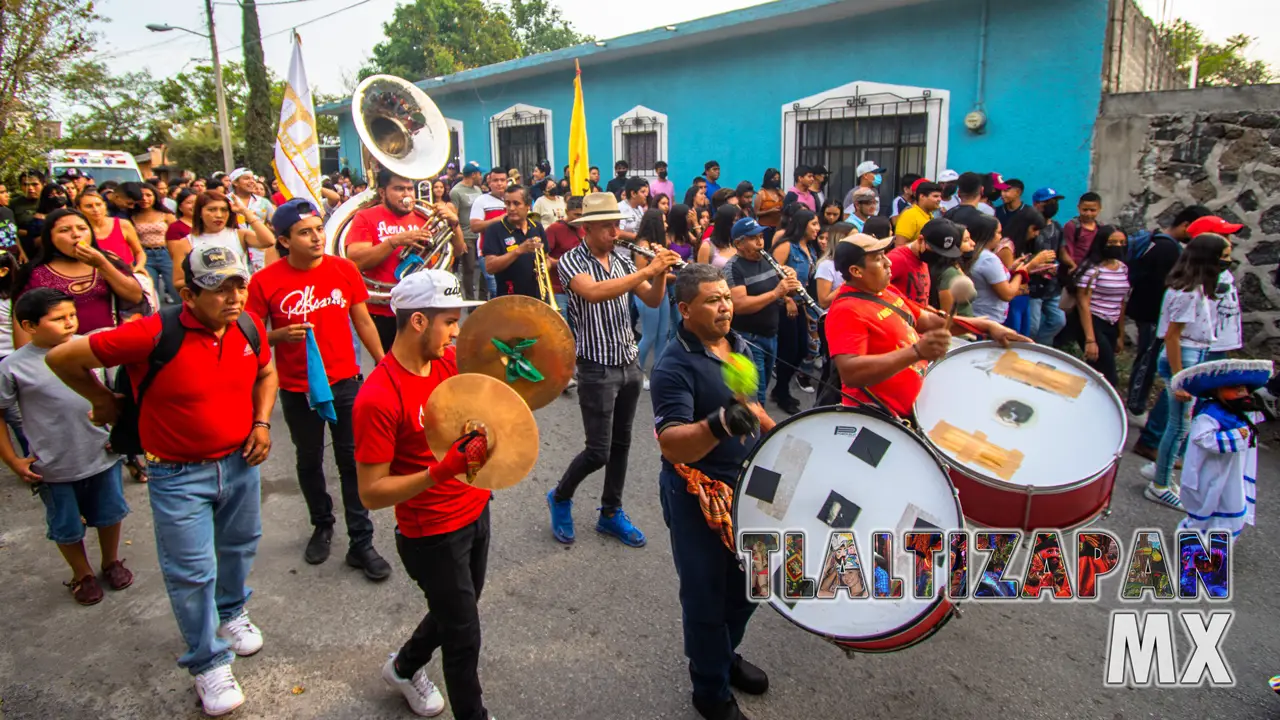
[939,117]
[547,124]
[457,126]
[618,128]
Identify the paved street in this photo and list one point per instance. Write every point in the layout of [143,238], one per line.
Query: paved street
[590,632]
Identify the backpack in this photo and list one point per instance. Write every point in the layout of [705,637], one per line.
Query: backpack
[125,439]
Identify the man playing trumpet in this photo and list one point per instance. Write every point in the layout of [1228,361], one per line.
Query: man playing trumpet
[514,253]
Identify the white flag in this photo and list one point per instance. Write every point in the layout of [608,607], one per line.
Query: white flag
[297,156]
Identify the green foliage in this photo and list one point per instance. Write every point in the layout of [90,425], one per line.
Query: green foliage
[541,28]
[115,112]
[259,127]
[198,148]
[1220,64]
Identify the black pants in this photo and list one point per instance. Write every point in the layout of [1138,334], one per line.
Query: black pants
[830,389]
[306,430]
[793,345]
[474,286]
[450,570]
[386,325]
[1144,368]
[1106,334]
[608,397]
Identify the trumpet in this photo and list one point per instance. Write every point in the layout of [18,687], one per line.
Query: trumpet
[628,245]
[800,293]
[542,269]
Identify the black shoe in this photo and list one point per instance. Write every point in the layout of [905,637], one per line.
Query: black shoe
[368,560]
[726,710]
[318,546]
[789,405]
[747,677]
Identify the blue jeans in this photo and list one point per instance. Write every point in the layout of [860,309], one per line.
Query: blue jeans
[713,591]
[96,501]
[1158,418]
[208,521]
[489,280]
[1178,418]
[1019,317]
[764,350]
[1045,319]
[654,333]
[562,302]
[160,268]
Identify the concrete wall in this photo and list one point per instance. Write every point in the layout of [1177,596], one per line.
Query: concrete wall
[1156,153]
[1136,60]
[724,98]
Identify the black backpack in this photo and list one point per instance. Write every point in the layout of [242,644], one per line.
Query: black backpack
[124,434]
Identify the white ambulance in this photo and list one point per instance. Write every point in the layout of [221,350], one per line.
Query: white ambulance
[102,165]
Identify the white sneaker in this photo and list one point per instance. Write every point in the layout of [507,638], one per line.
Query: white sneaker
[573,383]
[218,690]
[1166,496]
[1136,421]
[1148,472]
[423,696]
[245,637]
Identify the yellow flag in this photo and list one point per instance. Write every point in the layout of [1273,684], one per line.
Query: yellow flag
[578,163]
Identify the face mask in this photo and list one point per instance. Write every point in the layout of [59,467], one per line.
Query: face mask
[1112,252]
[1225,264]
[1050,209]
[662,174]
[58,201]
[878,179]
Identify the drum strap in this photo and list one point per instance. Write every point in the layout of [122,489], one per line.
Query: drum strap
[716,500]
[906,316]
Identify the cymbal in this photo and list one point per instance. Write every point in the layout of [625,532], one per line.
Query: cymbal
[510,320]
[462,400]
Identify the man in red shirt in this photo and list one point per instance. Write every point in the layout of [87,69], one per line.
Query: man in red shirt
[563,236]
[321,296]
[939,241]
[880,343]
[442,523]
[205,423]
[377,233]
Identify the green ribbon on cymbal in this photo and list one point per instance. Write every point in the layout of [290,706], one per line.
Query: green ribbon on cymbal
[518,366]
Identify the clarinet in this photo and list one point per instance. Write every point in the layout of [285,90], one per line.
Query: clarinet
[801,293]
[628,245]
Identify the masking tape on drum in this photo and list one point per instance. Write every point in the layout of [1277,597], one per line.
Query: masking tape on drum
[975,449]
[1013,366]
[793,458]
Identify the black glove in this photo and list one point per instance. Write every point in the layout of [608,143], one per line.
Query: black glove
[733,420]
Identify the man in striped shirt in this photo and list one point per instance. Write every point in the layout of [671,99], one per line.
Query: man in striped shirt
[598,283]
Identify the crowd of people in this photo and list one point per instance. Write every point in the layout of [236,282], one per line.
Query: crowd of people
[104,288]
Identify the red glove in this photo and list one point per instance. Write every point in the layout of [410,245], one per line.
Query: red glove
[466,456]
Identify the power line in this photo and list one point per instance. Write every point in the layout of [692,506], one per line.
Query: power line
[301,24]
[266,4]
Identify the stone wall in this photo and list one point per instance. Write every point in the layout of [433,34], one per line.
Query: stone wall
[1135,59]
[1156,153]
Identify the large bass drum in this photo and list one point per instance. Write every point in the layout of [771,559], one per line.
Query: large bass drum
[844,469]
[1033,436]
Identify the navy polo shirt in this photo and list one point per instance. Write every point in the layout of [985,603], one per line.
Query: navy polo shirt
[687,385]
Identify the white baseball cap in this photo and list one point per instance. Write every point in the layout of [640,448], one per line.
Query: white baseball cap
[867,166]
[948,176]
[429,290]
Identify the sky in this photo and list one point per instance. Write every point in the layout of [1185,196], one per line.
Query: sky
[335,47]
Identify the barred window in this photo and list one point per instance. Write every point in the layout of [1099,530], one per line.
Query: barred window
[640,138]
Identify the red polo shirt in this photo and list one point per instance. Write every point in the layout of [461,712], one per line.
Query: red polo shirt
[374,225]
[199,405]
[861,327]
[388,426]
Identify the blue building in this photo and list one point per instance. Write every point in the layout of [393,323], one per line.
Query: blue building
[983,85]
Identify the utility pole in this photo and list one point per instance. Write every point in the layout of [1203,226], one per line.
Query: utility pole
[224,124]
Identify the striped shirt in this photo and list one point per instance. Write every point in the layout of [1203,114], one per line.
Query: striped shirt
[604,333]
[1110,289]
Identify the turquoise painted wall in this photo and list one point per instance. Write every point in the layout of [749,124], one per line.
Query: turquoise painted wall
[723,100]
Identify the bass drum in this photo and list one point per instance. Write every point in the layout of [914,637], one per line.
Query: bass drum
[845,469]
[1033,436]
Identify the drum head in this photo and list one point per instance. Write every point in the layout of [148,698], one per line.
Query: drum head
[1026,415]
[844,469]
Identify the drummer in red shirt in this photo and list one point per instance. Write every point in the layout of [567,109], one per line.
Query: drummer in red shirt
[442,523]
[378,233]
[881,343]
[325,294]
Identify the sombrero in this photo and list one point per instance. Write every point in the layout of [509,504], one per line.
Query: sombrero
[1203,379]
[597,207]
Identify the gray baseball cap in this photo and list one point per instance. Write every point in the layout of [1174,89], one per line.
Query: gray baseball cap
[214,263]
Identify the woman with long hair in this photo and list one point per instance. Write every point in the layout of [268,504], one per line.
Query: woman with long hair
[214,220]
[797,252]
[995,284]
[114,235]
[831,212]
[1020,234]
[1102,289]
[768,201]
[151,220]
[651,234]
[696,196]
[660,201]
[52,197]
[719,246]
[1188,323]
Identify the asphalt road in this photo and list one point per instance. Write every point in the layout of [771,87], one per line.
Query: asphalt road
[580,633]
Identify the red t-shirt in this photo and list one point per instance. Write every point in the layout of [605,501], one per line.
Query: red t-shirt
[199,405]
[177,230]
[388,427]
[322,296]
[561,238]
[862,327]
[374,225]
[910,274]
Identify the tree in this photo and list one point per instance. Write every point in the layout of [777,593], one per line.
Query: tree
[190,97]
[259,127]
[38,40]
[541,28]
[198,148]
[116,112]
[1219,64]
[426,38]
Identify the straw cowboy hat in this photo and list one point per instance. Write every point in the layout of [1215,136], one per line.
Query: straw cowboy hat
[599,206]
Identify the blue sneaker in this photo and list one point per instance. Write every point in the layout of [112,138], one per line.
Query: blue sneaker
[561,518]
[619,526]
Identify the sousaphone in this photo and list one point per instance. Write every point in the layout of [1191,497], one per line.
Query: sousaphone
[402,130]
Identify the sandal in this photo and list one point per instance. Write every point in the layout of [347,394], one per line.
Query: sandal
[118,576]
[86,590]
[137,470]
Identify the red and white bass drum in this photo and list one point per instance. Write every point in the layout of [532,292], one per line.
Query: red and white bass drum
[832,471]
[1033,436]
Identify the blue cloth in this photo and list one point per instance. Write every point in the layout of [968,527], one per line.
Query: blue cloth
[764,350]
[654,331]
[208,519]
[1018,318]
[1046,319]
[319,394]
[1173,442]
[98,499]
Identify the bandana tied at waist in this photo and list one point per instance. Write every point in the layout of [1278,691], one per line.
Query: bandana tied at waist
[715,498]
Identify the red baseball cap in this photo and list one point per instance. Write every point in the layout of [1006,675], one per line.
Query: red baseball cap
[918,183]
[997,182]
[1212,224]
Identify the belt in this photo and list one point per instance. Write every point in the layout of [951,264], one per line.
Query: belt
[155,459]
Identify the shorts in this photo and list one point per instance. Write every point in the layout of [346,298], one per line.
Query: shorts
[98,499]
